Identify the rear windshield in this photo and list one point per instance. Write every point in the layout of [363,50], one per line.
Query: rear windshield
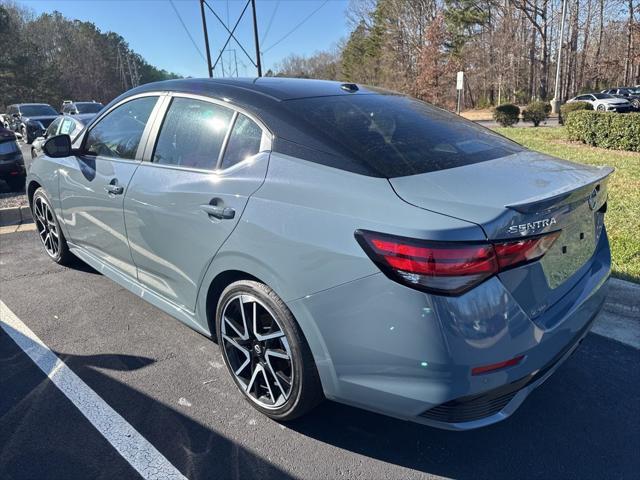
[37,110]
[89,107]
[395,136]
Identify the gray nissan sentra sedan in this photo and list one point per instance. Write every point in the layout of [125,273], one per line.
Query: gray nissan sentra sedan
[337,241]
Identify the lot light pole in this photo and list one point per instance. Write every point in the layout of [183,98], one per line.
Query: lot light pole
[555,102]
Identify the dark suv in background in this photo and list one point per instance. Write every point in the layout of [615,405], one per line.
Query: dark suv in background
[11,162]
[630,94]
[30,119]
[78,108]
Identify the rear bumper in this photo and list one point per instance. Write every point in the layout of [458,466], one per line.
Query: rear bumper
[384,347]
[12,166]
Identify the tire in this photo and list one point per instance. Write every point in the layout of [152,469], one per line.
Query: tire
[25,135]
[272,395]
[636,104]
[48,228]
[601,108]
[33,154]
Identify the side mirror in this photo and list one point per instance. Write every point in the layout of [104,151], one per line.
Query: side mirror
[58,146]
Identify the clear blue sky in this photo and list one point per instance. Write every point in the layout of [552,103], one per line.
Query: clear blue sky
[153,29]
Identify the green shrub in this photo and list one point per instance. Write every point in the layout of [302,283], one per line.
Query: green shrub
[506,114]
[536,112]
[573,107]
[605,129]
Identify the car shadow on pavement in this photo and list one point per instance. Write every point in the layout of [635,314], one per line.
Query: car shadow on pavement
[42,435]
[565,429]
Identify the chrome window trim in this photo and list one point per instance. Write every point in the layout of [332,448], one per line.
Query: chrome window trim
[145,132]
[266,142]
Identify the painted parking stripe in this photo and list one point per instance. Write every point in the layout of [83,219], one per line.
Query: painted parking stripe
[127,441]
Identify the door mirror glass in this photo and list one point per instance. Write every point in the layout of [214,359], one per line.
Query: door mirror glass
[58,146]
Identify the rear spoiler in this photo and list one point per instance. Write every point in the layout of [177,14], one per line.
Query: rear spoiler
[560,197]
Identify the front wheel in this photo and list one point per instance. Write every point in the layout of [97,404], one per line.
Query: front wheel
[636,104]
[265,351]
[48,228]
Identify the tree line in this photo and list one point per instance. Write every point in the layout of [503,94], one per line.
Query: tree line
[508,49]
[50,58]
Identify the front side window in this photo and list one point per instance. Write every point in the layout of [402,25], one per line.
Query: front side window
[192,134]
[393,136]
[244,141]
[118,134]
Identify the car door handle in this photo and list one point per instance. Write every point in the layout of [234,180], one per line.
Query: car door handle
[113,188]
[223,213]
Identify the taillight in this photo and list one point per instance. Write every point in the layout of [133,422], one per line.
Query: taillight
[448,268]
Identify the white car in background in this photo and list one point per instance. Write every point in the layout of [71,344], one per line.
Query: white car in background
[603,102]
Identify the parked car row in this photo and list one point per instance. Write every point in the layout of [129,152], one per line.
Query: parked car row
[12,168]
[619,99]
[31,120]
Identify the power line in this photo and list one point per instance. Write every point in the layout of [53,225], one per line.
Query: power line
[186,29]
[273,15]
[296,27]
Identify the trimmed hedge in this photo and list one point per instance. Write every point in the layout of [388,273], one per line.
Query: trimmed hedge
[605,129]
[506,114]
[573,107]
[536,112]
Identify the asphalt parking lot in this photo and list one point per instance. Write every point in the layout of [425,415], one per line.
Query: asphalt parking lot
[170,385]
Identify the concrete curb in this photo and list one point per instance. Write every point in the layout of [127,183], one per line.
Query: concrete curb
[15,216]
[623,299]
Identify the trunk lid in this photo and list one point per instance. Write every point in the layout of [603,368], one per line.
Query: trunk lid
[521,195]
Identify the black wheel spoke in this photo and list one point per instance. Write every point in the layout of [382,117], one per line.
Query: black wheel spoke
[256,349]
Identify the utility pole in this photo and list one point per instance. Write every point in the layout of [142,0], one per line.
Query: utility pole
[555,102]
[255,35]
[206,39]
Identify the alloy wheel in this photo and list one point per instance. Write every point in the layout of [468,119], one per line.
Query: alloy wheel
[257,350]
[47,227]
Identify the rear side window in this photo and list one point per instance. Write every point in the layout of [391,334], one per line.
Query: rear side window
[394,136]
[192,134]
[118,134]
[244,141]
[53,128]
[67,126]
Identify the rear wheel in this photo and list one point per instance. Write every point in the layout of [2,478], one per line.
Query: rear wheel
[636,103]
[601,108]
[265,351]
[48,229]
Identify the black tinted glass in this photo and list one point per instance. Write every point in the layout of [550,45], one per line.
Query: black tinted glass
[37,110]
[394,136]
[244,141]
[89,107]
[192,134]
[118,134]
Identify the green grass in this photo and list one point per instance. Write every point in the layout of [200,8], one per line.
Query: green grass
[623,211]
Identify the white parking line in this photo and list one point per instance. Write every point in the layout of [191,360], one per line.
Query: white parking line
[129,443]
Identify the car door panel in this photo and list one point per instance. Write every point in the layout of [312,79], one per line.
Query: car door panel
[172,237]
[93,217]
[93,185]
[179,207]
